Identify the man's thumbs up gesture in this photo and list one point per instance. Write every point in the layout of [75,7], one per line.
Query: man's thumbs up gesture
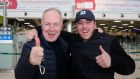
[36,54]
[103,60]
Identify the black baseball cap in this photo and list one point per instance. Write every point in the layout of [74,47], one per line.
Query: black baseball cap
[84,14]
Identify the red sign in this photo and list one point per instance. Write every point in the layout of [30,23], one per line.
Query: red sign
[11,4]
[85,4]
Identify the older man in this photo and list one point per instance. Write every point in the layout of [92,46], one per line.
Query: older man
[45,57]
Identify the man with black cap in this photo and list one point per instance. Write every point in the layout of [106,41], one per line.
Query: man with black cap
[95,55]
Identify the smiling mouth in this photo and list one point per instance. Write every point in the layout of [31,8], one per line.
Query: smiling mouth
[85,31]
[51,35]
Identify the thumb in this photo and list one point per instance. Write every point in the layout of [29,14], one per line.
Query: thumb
[37,41]
[102,50]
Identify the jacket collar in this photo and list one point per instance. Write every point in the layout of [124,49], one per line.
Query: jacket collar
[63,45]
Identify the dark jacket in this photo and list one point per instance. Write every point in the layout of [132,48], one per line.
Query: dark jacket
[83,56]
[55,68]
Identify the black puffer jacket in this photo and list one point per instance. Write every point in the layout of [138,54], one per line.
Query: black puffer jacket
[24,70]
[83,57]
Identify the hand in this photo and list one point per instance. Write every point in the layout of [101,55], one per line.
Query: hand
[100,30]
[103,60]
[31,34]
[36,54]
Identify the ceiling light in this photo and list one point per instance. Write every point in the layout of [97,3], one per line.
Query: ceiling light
[131,22]
[125,24]
[114,26]
[105,27]
[102,24]
[26,23]
[20,19]
[130,26]
[120,27]
[31,25]
[117,21]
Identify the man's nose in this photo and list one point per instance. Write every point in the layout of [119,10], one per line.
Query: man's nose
[84,25]
[51,27]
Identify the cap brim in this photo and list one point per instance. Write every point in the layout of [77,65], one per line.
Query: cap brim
[90,19]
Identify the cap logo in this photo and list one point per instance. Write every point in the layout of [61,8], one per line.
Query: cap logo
[82,12]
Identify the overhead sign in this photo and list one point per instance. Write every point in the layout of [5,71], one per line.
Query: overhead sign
[34,8]
[6,35]
[11,4]
[118,6]
[85,4]
[41,5]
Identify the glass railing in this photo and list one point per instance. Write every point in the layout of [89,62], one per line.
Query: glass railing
[133,49]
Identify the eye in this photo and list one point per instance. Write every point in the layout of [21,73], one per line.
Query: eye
[56,24]
[79,22]
[47,24]
[88,22]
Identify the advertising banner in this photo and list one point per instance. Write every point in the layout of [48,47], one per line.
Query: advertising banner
[118,6]
[41,5]
[11,4]
[85,4]
[35,7]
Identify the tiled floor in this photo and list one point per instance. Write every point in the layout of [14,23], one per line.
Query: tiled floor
[9,74]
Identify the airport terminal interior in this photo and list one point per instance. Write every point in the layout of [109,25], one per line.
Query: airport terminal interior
[127,31]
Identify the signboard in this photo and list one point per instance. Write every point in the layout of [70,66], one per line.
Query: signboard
[11,4]
[118,6]
[34,8]
[41,5]
[113,6]
[85,4]
[6,35]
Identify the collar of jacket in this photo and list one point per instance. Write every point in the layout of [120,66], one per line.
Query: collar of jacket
[64,45]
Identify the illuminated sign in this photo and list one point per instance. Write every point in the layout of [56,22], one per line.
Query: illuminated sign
[11,4]
[6,35]
[85,4]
